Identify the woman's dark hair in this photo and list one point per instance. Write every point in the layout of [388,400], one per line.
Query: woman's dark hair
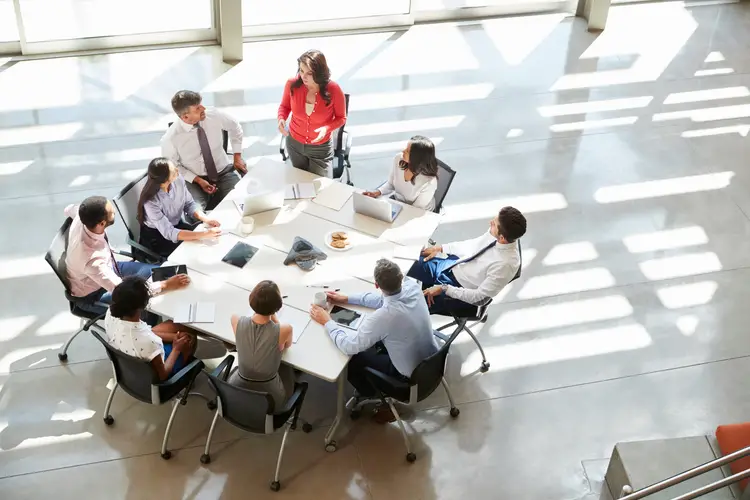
[422,158]
[265,299]
[158,174]
[316,61]
[129,297]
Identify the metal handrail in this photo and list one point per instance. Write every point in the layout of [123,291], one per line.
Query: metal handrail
[689,474]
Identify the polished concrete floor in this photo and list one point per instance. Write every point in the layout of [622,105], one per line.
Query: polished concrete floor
[627,151]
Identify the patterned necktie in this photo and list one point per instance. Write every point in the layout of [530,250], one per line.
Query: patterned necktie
[208,159]
[475,256]
[112,254]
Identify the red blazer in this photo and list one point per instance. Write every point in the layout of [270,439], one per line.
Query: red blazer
[302,127]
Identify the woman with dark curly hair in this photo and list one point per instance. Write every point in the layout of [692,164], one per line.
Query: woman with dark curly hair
[318,107]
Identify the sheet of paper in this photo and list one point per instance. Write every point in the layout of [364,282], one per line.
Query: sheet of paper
[196,312]
[298,319]
[407,252]
[334,195]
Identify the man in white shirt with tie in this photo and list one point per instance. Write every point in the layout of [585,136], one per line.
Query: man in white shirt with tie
[195,143]
[475,270]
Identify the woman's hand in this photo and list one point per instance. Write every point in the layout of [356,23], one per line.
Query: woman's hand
[372,194]
[322,131]
[282,128]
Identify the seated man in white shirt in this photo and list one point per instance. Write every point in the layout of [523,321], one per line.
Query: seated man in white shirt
[475,270]
[394,339]
[90,262]
[195,143]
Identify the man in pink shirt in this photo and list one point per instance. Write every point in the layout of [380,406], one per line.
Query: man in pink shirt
[92,269]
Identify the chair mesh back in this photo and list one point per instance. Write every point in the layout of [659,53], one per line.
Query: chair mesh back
[428,374]
[445,179]
[337,137]
[134,375]
[242,407]
[127,206]
[520,263]
[55,255]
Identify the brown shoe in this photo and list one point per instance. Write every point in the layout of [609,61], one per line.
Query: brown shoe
[384,415]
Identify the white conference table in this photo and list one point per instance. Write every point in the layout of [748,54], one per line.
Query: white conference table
[413,226]
[213,280]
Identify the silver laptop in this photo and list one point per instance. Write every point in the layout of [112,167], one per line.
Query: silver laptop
[376,208]
[261,202]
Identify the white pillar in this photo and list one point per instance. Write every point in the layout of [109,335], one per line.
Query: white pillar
[230,30]
[595,12]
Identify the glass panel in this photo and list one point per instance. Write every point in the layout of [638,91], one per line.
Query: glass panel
[70,19]
[448,5]
[259,12]
[8,26]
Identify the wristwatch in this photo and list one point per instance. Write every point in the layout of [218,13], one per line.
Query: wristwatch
[444,289]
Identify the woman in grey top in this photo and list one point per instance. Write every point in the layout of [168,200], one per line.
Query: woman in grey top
[260,342]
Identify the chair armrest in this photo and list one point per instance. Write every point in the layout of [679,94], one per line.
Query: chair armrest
[124,253]
[295,399]
[147,251]
[182,377]
[222,371]
[392,382]
[90,322]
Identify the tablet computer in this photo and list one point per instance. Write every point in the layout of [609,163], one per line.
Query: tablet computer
[346,317]
[166,272]
[240,254]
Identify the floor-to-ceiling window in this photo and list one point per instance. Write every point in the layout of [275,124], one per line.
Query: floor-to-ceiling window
[69,25]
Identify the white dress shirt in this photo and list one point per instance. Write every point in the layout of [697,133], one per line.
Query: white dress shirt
[421,194]
[134,339]
[484,277]
[400,321]
[180,143]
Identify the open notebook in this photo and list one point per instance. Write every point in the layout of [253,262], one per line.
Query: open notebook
[300,190]
[196,312]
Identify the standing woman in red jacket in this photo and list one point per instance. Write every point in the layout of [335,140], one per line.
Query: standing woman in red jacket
[318,107]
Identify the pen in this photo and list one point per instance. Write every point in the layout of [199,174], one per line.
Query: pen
[322,286]
[284,296]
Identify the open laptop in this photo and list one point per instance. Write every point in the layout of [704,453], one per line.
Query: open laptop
[376,208]
[261,202]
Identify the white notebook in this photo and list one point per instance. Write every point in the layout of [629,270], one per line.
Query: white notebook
[196,312]
[298,319]
[334,195]
[299,191]
[408,252]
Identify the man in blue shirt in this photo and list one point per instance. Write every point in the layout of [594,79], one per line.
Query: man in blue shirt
[393,339]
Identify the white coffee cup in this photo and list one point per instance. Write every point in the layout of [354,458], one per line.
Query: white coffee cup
[321,299]
[248,224]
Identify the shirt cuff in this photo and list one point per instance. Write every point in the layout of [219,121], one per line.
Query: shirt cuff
[236,147]
[188,175]
[156,286]
[331,326]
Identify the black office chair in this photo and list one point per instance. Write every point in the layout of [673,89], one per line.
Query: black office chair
[126,204]
[137,377]
[253,411]
[479,315]
[224,136]
[427,376]
[445,179]
[55,257]
[342,146]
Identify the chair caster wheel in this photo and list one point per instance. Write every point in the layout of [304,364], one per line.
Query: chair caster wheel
[306,427]
[411,457]
[485,366]
[211,405]
[275,486]
[205,459]
[455,412]
[62,356]
[484,318]
[183,401]
[355,414]
[331,447]
[109,420]
[166,455]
